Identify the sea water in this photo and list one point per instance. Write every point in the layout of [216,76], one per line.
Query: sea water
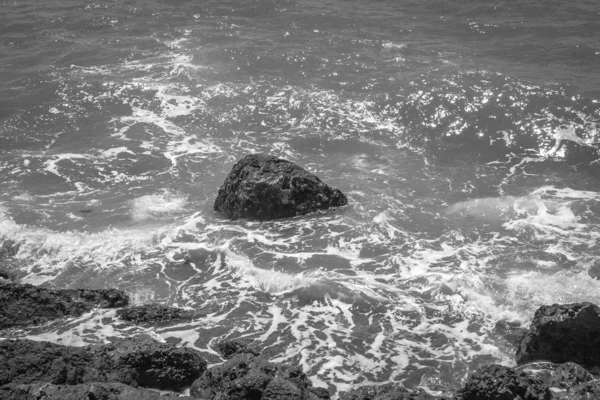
[465,135]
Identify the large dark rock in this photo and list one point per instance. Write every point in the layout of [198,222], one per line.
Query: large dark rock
[497,382]
[84,391]
[155,313]
[561,333]
[248,377]
[24,304]
[265,187]
[385,392]
[137,361]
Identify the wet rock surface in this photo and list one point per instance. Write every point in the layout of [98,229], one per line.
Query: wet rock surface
[86,391]
[246,376]
[155,314]
[230,348]
[562,333]
[386,392]
[139,361]
[500,382]
[530,382]
[265,187]
[24,304]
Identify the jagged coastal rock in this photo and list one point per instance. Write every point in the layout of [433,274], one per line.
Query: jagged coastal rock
[246,376]
[24,304]
[155,314]
[139,361]
[264,187]
[561,333]
[385,392]
[84,391]
[230,348]
[538,382]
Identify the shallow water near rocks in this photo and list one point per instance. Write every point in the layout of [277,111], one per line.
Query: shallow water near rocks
[464,135]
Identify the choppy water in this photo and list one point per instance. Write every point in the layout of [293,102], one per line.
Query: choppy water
[465,134]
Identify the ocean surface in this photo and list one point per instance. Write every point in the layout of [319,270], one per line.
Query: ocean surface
[465,134]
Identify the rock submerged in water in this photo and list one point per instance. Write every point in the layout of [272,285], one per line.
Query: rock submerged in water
[139,361]
[155,314]
[561,333]
[24,304]
[264,187]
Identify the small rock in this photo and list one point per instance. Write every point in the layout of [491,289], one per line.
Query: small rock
[265,187]
[568,375]
[230,348]
[154,313]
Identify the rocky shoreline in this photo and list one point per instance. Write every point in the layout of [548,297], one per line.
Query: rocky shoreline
[555,357]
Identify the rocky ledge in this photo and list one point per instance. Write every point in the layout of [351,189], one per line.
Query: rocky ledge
[265,187]
[156,314]
[24,304]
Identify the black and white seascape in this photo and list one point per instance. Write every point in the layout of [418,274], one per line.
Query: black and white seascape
[459,142]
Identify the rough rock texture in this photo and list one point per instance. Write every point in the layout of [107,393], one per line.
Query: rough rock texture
[385,392]
[248,377]
[24,304]
[497,382]
[229,348]
[561,333]
[9,248]
[583,391]
[154,313]
[139,361]
[265,187]
[85,391]
[568,375]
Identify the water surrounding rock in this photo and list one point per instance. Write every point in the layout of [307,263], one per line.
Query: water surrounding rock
[9,248]
[85,391]
[155,313]
[385,392]
[265,187]
[229,348]
[24,304]
[139,361]
[561,333]
[246,376]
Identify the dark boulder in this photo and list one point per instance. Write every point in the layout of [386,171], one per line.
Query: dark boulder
[139,361]
[265,187]
[84,391]
[154,313]
[561,333]
[229,348]
[246,376]
[385,392]
[497,382]
[24,304]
